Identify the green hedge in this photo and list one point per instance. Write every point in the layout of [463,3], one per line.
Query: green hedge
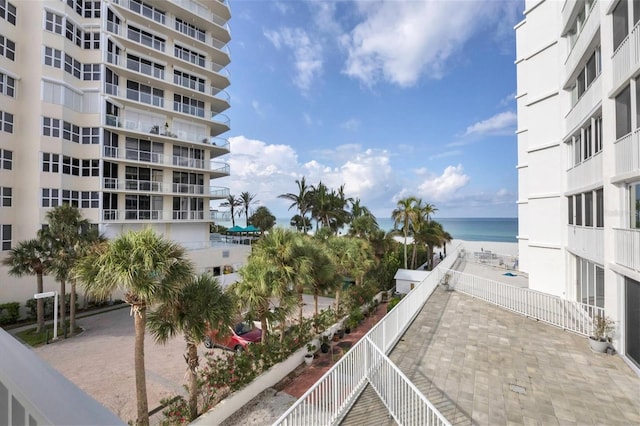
[48,306]
[9,313]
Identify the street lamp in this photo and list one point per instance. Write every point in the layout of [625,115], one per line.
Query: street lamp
[53,294]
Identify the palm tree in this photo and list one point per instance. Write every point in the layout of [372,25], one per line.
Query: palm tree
[262,219]
[301,200]
[404,214]
[201,302]
[322,275]
[70,236]
[31,257]
[232,202]
[246,200]
[150,269]
[302,224]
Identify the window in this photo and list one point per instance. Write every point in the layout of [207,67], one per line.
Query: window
[70,132]
[5,196]
[8,11]
[50,162]
[587,143]
[190,30]
[145,9]
[53,22]
[620,23]
[623,113]
[89,200]
[6,159]
[72,66]
[71,197]
[50,197]
[189,55]
[90,135]
[91,9]
[578,209]
[7,85]
[52,57]
[73,32]
[91,72]
[188,80]
[599,208]
[577,147]
[146,38]
[90,168]
[570,209]
[588,208]
[7,48]
[589,283]
[188,105]
[145,66]
[6,237]
[91,40]
[634,204]
[597,135]
[145,94]
[51,127]
[586,76]
[6,122]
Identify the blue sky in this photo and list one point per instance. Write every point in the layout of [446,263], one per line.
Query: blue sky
[391,98]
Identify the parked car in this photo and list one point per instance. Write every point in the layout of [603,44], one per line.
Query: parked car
[238,338]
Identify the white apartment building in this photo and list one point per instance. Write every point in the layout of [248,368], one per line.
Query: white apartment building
[115,107]
[578,99]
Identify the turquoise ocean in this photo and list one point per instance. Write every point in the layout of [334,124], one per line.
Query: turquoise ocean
[468,229]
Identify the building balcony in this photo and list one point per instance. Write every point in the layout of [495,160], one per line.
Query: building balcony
[627,150]
[583,40]
[154,215]
[627,243]
[160,131]
[588,173]
[219,13]
[626,58]
[220,216]
[567,12]
[590,100]
[586,242]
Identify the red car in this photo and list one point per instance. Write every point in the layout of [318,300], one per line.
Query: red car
[240,335]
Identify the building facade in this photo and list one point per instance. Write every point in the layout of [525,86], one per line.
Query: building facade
[115,107]
[578,100]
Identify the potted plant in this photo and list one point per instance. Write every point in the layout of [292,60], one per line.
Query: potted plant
[603,328]
[324,347]
[308,357]
[340,333]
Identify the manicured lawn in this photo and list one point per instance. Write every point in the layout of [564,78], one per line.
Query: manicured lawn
[30,337]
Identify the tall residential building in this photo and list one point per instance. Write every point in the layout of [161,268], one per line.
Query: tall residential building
[115,107]
[578,97]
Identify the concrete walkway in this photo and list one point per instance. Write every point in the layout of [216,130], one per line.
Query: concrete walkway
[483,365]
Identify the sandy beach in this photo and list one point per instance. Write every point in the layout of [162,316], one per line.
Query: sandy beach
[498,247]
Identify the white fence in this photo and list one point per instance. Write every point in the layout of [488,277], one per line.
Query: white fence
[566,314]
[331,397]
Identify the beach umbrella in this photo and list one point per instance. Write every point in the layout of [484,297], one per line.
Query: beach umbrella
[236,229]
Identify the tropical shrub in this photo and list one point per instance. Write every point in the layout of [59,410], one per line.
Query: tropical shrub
[393,302]
[176,411]
[9,313]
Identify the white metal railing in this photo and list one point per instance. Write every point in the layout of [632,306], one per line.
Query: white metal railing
[586,241]
[626,57]
[139,215]
[587,173]
[627,243]
[627,150]
[566,314]
[188,215]
[133,185]
[331,397]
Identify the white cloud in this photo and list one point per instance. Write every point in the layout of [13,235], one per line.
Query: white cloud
[501,123]
[351,124]
[445,186]
[307,56]
[507,100]
[257,108]
[399,42]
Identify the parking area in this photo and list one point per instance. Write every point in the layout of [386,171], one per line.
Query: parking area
[100,361]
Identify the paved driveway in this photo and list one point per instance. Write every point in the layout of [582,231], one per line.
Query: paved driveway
[100,361]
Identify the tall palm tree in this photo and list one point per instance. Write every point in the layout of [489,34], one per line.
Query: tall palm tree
[232,202]
[70,235]
[200,302]
[404,214]
[246,199]
[301,200]
[31,257]
[322,275]
[150,269]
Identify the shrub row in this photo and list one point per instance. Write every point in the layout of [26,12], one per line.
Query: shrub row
[9,313]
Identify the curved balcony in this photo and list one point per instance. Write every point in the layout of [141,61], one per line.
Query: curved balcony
[218,192]
[153,215]
[134,155]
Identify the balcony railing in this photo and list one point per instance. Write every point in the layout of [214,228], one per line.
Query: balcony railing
[587,242]
[202,11]
[331,397]
[627,150]
[188,215]
[133,185]
[220,118]
[218,191]
[137,215]
[588,102]
[627,252]
[186,188]
[587,173]
[626,57]
[566,314]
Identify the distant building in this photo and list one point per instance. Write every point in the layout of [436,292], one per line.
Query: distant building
[115,107]
[578,99]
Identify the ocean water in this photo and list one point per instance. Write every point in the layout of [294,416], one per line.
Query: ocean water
[468,229]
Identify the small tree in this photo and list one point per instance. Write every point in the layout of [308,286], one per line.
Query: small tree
[262,219]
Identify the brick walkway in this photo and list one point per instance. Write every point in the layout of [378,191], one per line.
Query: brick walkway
[482,365]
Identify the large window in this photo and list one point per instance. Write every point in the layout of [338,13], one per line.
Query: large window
[8,11]
[584,211]
[143,37]
[190,30]
[50,197]
[7,85]
[188,105]
[7,48]
[589,283]
[148,10]
[620,23]
[145,66]
[189,55]
[623,113]
[145,94]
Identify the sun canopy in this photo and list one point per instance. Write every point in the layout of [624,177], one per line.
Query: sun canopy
[251,228]
[236,228]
